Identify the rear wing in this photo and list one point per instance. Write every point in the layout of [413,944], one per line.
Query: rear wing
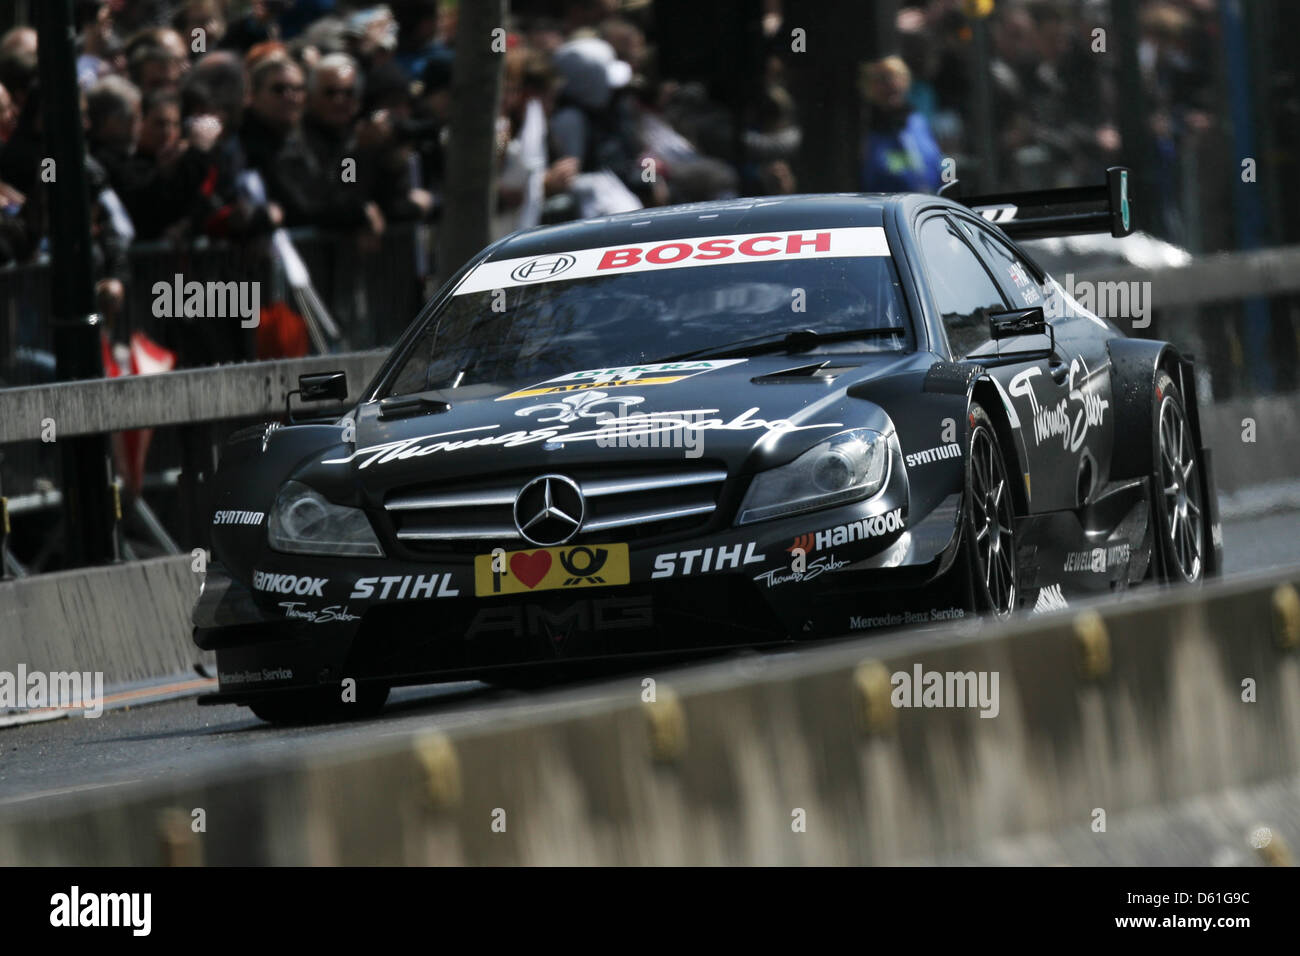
[1039,214]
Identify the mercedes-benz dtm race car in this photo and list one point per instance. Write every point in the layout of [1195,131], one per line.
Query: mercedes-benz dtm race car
[723,425]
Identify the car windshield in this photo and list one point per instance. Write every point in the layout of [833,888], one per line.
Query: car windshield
[551,328]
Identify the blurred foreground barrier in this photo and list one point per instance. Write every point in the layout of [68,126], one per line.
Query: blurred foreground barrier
[1094,719]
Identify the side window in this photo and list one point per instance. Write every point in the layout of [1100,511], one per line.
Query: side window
[962,286]
[1013,275]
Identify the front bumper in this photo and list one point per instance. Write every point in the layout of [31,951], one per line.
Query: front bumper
[306,621]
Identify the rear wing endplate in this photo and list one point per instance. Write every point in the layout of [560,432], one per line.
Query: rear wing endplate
[1042,213]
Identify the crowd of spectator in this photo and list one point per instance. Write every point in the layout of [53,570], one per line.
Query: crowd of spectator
[227,119]
[1056,97]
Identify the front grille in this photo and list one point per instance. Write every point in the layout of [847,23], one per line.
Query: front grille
[625,504]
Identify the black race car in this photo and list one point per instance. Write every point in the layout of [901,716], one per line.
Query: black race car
[722,425]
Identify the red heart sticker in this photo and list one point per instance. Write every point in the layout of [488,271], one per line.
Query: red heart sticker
[530,568]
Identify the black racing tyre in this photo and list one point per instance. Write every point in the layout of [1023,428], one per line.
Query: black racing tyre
[319,705]
[1178,500]
[989,522]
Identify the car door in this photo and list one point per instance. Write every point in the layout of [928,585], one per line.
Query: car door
[1079,413]
[965,292]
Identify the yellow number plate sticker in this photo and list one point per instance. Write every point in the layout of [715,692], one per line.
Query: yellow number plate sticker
[551,569]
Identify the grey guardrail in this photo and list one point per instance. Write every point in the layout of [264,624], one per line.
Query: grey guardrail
[1254,440]
[1215,277]
[129,622]
[799,759]
[220,392]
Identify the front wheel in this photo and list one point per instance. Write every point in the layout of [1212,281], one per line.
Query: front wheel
[990,521]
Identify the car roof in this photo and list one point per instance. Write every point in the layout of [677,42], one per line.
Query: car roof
[724,217]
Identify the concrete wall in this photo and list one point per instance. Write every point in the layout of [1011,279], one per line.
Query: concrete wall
[1273,456]
[1130,711]
[130,621]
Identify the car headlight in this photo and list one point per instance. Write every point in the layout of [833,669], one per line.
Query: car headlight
[846,467]
[303,521]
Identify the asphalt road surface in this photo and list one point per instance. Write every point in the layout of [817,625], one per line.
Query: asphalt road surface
[180,739]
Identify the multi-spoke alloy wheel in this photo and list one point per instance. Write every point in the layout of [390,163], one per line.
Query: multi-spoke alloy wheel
[992,520]
[1182,530]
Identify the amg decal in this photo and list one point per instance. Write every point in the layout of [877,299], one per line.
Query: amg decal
[558,624]
[1050,598]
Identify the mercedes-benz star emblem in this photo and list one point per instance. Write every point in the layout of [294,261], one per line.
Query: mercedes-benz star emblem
[549,510]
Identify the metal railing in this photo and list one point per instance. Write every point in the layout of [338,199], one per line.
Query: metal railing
[199,405]
[373,290]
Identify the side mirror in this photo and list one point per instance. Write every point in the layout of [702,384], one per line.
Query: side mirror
[1008,325]
[323,386]
[317,387]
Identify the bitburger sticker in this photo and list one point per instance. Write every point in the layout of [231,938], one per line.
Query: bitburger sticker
[676,254]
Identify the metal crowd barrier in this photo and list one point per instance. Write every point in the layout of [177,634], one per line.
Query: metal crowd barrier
[200,402]
[371,292]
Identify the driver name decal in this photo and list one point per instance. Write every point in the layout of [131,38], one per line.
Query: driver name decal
[611,429]
[676,254]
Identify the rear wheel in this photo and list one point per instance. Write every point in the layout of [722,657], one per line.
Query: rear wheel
[1179,518]
[990,521]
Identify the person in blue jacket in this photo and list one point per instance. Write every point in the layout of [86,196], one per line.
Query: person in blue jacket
[899,153]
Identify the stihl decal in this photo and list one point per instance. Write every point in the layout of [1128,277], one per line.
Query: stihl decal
[677,254]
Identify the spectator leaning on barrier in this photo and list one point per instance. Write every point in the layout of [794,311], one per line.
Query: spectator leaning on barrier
[386,137]
[294,178]
[162,183]
[214,94]
[899,153]
[113,123]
